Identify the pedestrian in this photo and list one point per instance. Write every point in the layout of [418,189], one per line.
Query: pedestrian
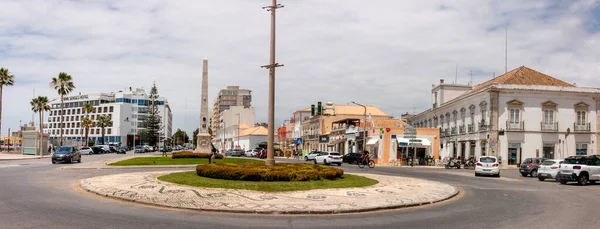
[50,149]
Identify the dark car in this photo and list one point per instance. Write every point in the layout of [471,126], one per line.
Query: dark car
[113,149]
[97,150]
[139,149]
[122,149]
[66,154]
[530,166]
[350,157]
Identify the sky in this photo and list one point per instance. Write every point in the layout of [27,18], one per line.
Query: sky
[382,53]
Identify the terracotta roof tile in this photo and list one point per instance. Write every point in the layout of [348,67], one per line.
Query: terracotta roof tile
[524,76]
[358,110]
[259,130]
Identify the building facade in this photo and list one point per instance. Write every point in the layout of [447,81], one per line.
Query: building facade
[127,110]
[521,114]
[227,98]
[232,122]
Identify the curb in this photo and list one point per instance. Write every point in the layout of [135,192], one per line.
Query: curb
[317,212]
[15,159]
[133,167]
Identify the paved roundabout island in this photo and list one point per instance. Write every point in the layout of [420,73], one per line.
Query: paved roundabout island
[391,192]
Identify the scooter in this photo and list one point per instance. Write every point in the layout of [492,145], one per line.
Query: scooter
[453,164]
[470,164]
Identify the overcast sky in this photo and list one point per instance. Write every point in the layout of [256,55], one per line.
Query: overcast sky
[384,53]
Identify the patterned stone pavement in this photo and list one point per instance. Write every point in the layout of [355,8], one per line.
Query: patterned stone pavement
[391,192]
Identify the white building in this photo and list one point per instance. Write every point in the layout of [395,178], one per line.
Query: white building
[127,109]
[232,123]
[251,137]
[521,114]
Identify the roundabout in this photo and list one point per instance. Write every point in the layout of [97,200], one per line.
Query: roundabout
[390,193]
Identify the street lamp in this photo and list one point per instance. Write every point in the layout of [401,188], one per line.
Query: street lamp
[223,140]
[365,120]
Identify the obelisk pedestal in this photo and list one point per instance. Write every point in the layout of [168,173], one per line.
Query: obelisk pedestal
[203,143]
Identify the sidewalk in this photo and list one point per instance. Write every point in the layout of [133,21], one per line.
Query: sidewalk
[391,192]
[103,164]
[6,156]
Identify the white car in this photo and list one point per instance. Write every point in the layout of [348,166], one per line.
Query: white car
[251,153]
[487,165]
[327,158]
[311,156]
[583,169]
[86,151]
[549,169]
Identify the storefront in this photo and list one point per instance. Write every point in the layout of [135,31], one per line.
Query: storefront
[387,145]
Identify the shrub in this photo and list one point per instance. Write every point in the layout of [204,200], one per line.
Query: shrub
[188,154]
[260,172]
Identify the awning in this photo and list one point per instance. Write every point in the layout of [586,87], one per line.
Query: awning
[335,142]
[372,141]
[413,142]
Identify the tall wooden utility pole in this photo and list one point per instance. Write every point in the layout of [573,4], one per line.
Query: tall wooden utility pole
[272,65]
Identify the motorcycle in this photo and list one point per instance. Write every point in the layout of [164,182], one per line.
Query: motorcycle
[470,164]
[453,164]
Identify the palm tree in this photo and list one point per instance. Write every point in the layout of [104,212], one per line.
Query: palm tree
[104,121]
[86,123]
[87,109]
[63,84]
[39,105]
[6,79]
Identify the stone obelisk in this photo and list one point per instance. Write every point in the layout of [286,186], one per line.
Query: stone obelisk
[203,143]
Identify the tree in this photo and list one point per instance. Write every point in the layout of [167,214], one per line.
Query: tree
[103,122]
[6,79]
[86,123]
[87,109]
[39,105]
[152,123]
[194,137]
[180,137]
[63,84]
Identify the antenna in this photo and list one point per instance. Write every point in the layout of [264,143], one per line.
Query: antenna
[494,75]
[505,49]
[471,82]
[33,113]
[456,75]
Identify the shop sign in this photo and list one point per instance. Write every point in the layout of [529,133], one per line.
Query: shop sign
[324,138]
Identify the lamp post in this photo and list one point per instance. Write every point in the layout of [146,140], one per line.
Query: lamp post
[365,120]
[223,140]
[238,130]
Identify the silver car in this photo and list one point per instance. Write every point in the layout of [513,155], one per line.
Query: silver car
[549,169]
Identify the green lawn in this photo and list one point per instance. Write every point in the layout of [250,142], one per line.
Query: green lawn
[191,179]
[177,161]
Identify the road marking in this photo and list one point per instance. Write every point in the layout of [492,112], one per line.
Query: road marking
[7,166]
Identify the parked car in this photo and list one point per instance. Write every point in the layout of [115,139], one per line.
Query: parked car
[311,156]
[549,169]
[105,148]
[487,165]
[148,148]
[234,153]
[581,169]
[530,166]
[122,149]
[251,153]
[350,157]
[66,154]
[139,149]
[97,150]
[327,158]
[113,149]
[86,150]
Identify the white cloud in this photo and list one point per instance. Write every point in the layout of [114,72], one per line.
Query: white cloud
[385,53]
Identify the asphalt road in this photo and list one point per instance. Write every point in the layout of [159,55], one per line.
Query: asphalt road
[36,194]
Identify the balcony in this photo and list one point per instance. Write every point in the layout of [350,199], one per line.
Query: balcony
[453,130]
[471,128]
[482,126]
[578,127]
[461,129]
[549,127]
[515,126]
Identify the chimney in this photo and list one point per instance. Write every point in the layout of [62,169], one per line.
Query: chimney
[441,81]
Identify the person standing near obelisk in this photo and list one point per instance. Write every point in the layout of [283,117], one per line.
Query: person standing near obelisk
[203,138]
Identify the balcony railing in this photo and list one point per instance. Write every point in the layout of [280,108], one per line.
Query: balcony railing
[470,128]
[482,126]
[515,126]
[585,127]
[453,130]
[461,129]
[553,126]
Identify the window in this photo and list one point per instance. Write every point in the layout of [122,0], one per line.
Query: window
[514,116]
[71,131]
[97,131]
[105,109]
[108,131]
[111,109]
[77,131]
[581,117]
[68,125]
[548,117]
[78,111]
[76,118]
[581,149]
[69,112]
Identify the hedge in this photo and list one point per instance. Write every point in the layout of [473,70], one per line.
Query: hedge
[188,154]
[260,172]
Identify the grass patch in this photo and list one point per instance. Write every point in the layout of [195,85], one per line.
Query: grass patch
[192,179]
[178,161]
